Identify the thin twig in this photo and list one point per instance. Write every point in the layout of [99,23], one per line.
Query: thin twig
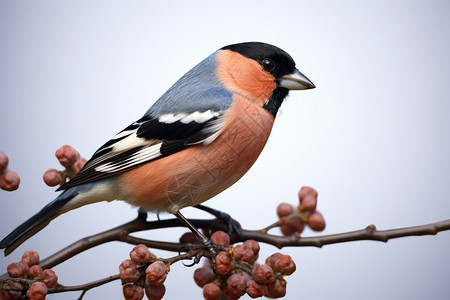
[84,287]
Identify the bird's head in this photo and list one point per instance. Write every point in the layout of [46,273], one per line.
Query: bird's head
[261,72]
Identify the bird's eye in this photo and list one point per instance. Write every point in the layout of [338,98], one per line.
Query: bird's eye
[268,64]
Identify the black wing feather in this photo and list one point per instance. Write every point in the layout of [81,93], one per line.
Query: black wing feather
[172,137]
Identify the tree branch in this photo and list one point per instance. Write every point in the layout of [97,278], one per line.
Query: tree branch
[121,233]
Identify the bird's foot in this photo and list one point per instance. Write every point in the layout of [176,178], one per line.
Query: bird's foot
[206,248]
[223,222]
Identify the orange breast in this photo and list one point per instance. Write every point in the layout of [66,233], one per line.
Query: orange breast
[200,172]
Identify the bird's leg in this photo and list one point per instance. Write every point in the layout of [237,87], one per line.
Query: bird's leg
[224,222]
[206,242]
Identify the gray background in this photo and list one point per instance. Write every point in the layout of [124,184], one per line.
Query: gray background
[373,138]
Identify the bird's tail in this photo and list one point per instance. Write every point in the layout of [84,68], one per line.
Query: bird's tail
[35,223]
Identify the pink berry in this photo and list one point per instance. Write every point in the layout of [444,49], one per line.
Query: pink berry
[156,273]
[132,292]
[220,238]
[140,255]
[284,209]
[203,276]
[262,273]
[37,291]
[316,221]
[67,155]
[49,278]
[9,181]
[224,263]
[211,291]
[128,271]
[285,265]
[30,257]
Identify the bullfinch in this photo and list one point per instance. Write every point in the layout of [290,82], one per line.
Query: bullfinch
[196,140]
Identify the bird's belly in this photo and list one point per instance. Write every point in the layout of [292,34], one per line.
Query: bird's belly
[198,173]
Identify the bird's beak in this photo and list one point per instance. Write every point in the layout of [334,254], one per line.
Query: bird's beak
[296,81]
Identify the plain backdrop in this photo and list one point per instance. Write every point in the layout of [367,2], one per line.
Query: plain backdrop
[372,138]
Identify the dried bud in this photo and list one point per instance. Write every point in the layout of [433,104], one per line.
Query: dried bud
[220,238]
[18,270]
[309,203]
[49,278]
[276,290]
[254,245]
[236,286]
[189,238]
[78,165]
[35,272]
[284,209]
[3,162]
[53,177]
[263,274]
[156,273]
[140,255]
[203,276]
[272,260]
[155,292]
[9,181]
[67,155]
[305,191]
[224,263]
[10,295]
[128,271]
[316,221]
[37,291]
[211,291]
[254,289]
[292,226]
[285,265]
[30,258]
[238,251]
[132,292]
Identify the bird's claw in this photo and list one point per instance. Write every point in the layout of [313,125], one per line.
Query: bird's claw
[223,222]
[207,249]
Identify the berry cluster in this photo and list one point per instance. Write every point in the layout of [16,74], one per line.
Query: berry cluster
[293,220]
[237,272]
[69,158]
[143,273]
[9,180]
[28,268]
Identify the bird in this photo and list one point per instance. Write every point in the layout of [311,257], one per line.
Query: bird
[200,137]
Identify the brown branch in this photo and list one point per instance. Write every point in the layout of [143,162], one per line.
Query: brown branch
[84,287]
[121,233]
[369,233]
